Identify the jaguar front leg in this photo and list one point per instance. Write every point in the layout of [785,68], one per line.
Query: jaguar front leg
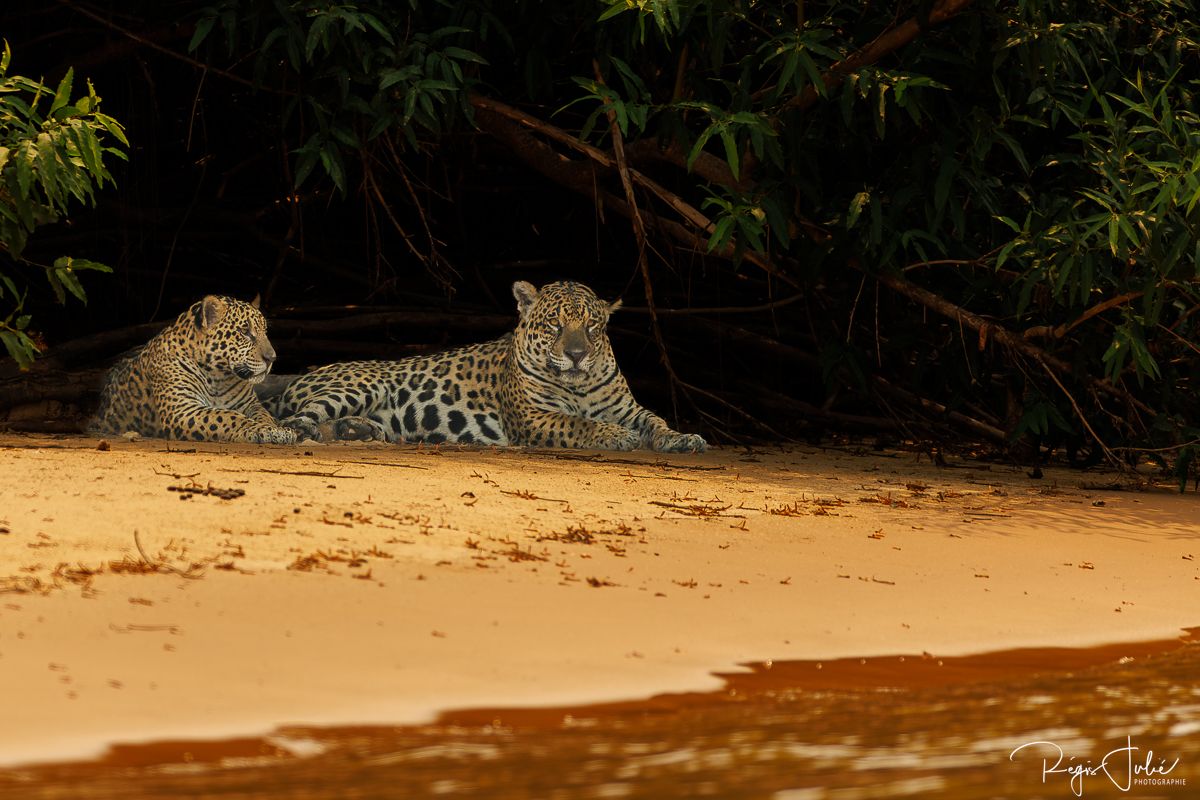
[207,424]
[657,435]
[554,429]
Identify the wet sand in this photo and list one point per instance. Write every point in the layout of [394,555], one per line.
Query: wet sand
[335,585]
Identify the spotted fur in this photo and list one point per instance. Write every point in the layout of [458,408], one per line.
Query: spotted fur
[552,382]
[194,380]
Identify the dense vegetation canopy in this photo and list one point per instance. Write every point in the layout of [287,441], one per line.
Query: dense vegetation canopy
[941,220]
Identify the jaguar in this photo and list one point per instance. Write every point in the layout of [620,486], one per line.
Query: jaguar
[195,380]
[551,382]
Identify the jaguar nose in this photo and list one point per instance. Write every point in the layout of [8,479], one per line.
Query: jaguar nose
[575,353]
[268,356]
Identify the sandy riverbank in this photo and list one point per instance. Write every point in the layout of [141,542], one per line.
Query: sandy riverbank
[380,584]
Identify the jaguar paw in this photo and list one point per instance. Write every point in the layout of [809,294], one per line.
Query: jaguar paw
[673,442]
[358,429]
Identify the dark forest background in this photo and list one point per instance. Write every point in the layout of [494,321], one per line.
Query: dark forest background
[944,222]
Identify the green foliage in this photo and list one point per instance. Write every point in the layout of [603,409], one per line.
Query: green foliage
[1036,164]
[1044,155]
[358,76]
[51,157]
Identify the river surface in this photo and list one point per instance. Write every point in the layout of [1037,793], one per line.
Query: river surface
[916,726]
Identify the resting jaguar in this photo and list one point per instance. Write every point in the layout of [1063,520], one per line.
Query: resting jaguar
[552,382]
[194,380]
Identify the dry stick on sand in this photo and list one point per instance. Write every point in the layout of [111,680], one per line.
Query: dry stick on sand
[160,564]
[305,473]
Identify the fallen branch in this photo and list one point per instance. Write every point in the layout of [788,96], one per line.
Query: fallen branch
[497,119]
[988,329]
[970,423]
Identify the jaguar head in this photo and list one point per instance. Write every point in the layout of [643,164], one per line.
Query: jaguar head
[562,332]
[233,335]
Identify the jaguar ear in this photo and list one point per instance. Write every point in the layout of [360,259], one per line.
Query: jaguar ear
[525,294]
[614,305]
[209,311]
[256,302]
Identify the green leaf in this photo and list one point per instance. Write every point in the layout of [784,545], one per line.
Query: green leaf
[112,126]
[78,264]
[378,27]
[721,233]
[316,34]
[25,171]
[64,272]
[12,287]
[462,54]
[856,206]
[52,275]
[731,151]
[62,96]
[941,187]
[20,347]
[618,7]
[814,74]
[698,147]
[203,27]
[308,160]
[785,75]
[333,166]
[1010,223]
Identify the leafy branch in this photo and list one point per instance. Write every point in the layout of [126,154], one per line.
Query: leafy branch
[52,152]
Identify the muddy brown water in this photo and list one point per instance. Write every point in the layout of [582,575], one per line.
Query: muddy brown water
[1115,721]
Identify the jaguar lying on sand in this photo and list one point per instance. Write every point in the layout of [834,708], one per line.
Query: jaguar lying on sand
[194,380]
[552,382]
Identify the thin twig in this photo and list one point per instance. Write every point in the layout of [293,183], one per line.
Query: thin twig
[744,415]
[1058,332]
[1182,340]
[888,42]
[639,231]
[307,474]
[166,50]
[786,301]
[160,564]
[1108,454]
[1170,449]
[854,308]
